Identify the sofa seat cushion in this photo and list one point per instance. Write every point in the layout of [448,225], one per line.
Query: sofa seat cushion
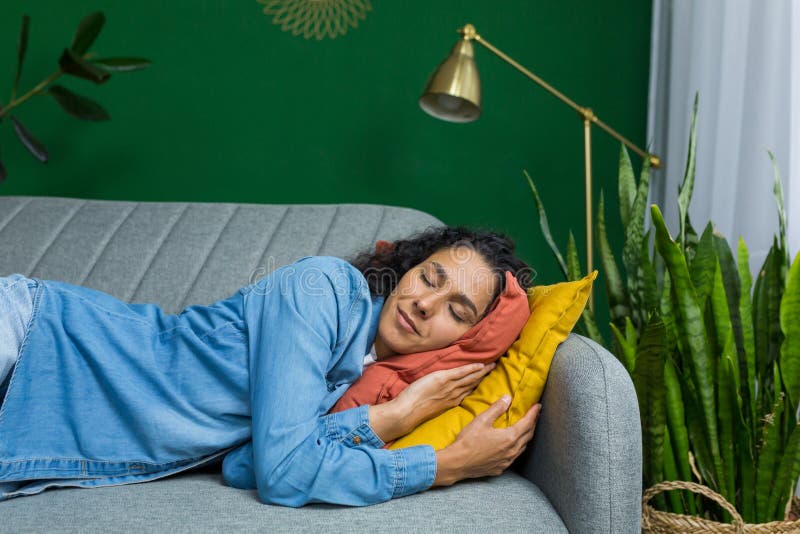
[198,501]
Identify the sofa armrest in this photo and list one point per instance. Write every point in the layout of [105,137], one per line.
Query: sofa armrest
[586,455]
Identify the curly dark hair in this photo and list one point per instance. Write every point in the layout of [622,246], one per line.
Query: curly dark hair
[383,269]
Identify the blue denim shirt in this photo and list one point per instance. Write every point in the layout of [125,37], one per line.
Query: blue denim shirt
[106,393]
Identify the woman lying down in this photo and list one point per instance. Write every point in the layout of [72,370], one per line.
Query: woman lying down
[98,392]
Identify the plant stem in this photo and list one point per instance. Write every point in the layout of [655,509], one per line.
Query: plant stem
[36,90]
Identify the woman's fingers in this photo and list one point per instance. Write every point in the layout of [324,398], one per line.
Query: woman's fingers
[457,373]
[476,375]
[527,424]
[497,408]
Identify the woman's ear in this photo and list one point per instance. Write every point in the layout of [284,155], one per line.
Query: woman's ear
[382,247]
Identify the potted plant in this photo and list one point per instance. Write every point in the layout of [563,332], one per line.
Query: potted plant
[714,356]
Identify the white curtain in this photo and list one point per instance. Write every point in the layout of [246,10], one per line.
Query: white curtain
[743,57]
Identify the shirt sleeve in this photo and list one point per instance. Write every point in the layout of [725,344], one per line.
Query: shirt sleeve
[301,321]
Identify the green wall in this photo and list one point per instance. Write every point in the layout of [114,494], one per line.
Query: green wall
[235,110]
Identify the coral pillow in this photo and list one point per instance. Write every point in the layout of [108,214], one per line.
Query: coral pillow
[485,342]
[521,372]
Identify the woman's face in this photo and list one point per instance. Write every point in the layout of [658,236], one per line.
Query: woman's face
[435,303]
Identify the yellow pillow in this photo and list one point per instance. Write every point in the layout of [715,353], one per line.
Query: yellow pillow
[521,372]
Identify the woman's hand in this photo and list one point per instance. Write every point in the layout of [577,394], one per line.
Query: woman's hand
[482,450]
[437,392]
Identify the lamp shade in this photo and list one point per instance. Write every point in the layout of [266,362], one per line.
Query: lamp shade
[453,92]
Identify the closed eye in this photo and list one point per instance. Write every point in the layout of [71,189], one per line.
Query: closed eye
[452,312]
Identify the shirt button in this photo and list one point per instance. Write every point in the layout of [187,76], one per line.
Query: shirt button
[356,440]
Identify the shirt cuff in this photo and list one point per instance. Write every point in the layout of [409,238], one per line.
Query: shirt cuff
[351,427]
[415,469]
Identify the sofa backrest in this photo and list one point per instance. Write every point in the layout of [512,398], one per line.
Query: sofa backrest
[179,253]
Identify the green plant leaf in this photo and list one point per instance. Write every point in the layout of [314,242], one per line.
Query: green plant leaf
[29,141]
[631,250]
[634,230]
[788,471]
[760,319]
[685,191]
[726,413]
[742,440]
[590,325]
[766,321]
[732,286]
[22,47]
[703,265]
[546,227]
[790,326]
[74,65]
[667,314]
[627,185]
[768,458]
[88,30]
[647,284]
[78,106]
[777,190]
[617,300]
[698,434]
[573,263]
[648,378]
[671,473]
[627,351]
[775,282]
[676,424]
[693,335]
[721,324]
[748,341]
[692,240]
[631,334]
[743,446]
[122,64]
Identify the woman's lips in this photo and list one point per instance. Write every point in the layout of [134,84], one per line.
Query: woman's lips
[405,322]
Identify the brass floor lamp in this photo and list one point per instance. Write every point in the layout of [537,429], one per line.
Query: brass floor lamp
[453,94]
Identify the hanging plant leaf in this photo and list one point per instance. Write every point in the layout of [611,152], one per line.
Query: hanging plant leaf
[87,32]
[73,64]
[31,143]
[122,64]
[22,47]
[3,173]
[78,106]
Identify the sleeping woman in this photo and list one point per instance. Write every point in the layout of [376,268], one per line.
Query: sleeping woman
[99,392]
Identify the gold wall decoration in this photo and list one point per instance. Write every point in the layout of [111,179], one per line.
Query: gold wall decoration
[316,18]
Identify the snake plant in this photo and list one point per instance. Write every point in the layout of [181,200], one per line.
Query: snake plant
[714,356]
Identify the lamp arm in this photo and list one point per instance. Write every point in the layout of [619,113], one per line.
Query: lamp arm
[586,113]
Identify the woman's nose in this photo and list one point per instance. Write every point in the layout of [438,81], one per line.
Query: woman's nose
[426,305]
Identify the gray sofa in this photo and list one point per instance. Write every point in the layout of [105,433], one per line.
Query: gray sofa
[582,472]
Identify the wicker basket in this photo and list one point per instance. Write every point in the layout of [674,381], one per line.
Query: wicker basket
[658,522]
